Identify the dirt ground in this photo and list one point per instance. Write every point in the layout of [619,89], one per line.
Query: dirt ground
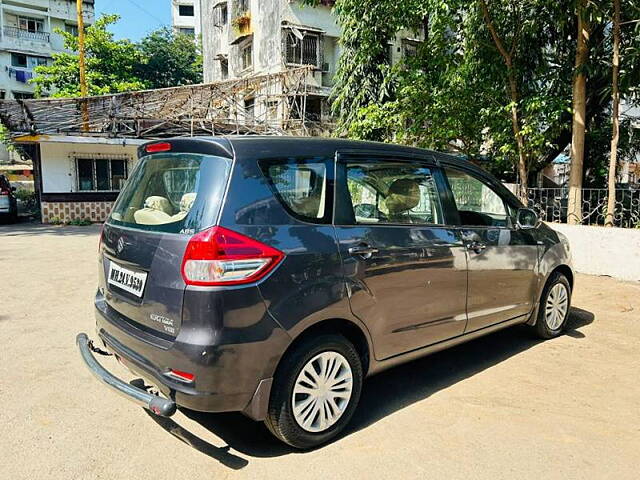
[504,406]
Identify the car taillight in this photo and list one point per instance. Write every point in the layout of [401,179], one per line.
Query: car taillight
[158,147]
[4,192]
[218,256]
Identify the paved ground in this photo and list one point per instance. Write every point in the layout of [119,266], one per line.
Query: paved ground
[504,406]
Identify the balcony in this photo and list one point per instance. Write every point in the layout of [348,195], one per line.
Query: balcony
[16,32]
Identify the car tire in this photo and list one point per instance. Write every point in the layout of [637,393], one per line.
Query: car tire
[554,307]
[304,428]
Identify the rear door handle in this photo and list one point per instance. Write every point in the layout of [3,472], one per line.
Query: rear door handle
[365,251]
[477,247]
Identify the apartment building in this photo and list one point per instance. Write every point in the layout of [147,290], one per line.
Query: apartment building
[28,39]
[242,38]
[185,17]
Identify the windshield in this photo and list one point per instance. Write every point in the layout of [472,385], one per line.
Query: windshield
[173,192]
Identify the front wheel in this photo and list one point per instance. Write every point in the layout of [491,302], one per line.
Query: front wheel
[315,391]
[555,303]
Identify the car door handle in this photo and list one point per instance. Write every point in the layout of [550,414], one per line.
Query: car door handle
[365,251]
[477,247]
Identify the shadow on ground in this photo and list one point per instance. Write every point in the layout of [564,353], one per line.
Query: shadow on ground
[31,229]
[382,395]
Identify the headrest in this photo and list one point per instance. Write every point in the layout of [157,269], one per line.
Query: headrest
[159,203]
[149,216]
[186,202]
[404,194]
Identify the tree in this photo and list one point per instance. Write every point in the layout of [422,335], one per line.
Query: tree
[574,211]
[615,116]
[169,59]
[111,64]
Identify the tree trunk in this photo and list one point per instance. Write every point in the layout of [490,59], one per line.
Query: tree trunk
[514,96]
[615,117]
[574,213]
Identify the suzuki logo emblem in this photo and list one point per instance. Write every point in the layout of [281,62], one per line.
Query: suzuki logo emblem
[120,245]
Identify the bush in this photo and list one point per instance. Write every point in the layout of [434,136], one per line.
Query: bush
[80,222]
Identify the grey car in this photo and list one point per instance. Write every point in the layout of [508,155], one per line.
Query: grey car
[272,275]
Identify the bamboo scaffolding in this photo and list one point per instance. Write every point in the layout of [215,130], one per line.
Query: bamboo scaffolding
[205,109]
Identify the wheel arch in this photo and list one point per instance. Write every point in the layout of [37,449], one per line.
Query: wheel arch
[347,328]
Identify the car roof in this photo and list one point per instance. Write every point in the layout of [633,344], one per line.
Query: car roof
[264,146]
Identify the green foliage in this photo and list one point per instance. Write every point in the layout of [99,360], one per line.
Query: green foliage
[161,59]
[79,222]
[454,94]
[111,64]
[169,59]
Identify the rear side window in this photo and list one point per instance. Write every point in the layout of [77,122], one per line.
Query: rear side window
[173,192]
[383,192]
[302,186]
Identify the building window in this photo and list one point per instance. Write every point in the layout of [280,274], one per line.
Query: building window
[250,110]
[220,15]
[187,31]
[101,174]
[302,48]
[72,29]
[26,61]
[224,68]
[30,24]
[185,10]
[409,48]
[246,54]
[243,6]
[22,95]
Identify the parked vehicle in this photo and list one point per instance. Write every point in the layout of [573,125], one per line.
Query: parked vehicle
[8,202]
[272,275]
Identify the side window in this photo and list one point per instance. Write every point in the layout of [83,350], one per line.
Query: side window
[478,204]
[301,186]
[391,192]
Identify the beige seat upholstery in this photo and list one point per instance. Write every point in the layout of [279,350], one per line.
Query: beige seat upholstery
[404,194]
[157,210]
[186,202]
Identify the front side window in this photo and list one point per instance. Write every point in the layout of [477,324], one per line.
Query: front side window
[101,174]
[478,204]
[301,186]
[391,192]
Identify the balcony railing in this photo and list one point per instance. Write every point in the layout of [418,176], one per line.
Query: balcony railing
[16,32]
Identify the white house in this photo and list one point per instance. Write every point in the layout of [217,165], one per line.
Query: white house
[185,17]
[28,38]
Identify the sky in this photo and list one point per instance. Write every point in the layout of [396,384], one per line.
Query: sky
[138,17]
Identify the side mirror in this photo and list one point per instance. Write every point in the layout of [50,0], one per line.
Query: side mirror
[13,189]
[526,218]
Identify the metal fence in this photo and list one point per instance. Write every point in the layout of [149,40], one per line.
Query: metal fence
[552,205]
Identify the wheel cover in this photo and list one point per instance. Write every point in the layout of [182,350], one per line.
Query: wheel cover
[322,391]
[557,306]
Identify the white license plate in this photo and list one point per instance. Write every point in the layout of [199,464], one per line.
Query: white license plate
[127,280]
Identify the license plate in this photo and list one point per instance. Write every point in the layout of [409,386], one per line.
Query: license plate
[127,280]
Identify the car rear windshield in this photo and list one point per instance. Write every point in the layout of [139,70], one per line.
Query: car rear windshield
[173,192]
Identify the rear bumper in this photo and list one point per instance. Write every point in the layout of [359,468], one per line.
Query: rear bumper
[158,405]
[232,368]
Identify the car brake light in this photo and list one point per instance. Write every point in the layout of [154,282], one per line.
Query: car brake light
[218,256]
[4,192]
[182,376]
[158,147]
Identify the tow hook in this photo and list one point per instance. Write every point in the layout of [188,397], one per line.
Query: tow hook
[98,350]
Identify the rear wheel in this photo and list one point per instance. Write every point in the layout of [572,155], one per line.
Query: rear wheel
[554,306]
[315,391]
